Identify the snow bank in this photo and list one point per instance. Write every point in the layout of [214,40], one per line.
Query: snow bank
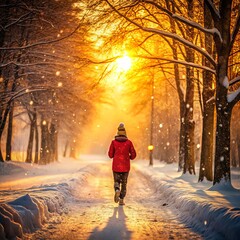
[8,168]
[212,220]
[30,211]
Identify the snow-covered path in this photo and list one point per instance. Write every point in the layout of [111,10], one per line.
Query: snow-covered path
[93,214]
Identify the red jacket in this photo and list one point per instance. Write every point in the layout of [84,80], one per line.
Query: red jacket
[121,150]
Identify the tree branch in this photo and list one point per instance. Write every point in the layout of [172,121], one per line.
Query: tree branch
[20,93]
[27,64]
[235,80]
[235,31]
[167,34]
[179,62]
[43,42]
[184,20]
[233,97]
[16,21]
[214,12]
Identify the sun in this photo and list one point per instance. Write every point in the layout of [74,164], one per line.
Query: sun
[124,63]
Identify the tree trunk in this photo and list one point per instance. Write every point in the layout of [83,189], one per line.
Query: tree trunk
[44,151]
[222,154]
[3,120]
[9,134]
[56,146]
[206,161]
[65,149]
[53,142]
[224,110]
[189,163]
[1,156]
[182,138]
[189,158]
[234,153]
[181,149]
[238,152]
[10,117]
[29,158]
[73,150]
[182,106]
[36,157]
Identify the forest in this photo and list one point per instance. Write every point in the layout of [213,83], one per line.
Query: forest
[58,58]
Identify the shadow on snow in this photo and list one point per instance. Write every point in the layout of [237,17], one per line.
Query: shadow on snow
[115,229]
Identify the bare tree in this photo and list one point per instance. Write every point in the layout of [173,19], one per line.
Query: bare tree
[224,39]
[48,70]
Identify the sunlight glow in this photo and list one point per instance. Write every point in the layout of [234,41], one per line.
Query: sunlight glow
[124,63]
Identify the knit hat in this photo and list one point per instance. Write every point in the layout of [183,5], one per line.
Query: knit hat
[121,130]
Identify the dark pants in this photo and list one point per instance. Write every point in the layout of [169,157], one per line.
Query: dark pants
[120,182]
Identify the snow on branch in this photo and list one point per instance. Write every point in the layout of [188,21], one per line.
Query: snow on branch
[14,95]
[232,96]
[191,64]
[225,82]
[167,34]
[213,31]
[180,39]
[235,80]
[191,23]
[42,42]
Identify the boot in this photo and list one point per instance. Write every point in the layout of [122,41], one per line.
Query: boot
[116,196]
[121,202]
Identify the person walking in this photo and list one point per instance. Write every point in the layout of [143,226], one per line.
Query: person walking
[121,151]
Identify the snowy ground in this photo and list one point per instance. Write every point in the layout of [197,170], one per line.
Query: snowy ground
[213,211]
[73,200]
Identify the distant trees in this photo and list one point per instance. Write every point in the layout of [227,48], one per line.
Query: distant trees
[41,80]
[205,42]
